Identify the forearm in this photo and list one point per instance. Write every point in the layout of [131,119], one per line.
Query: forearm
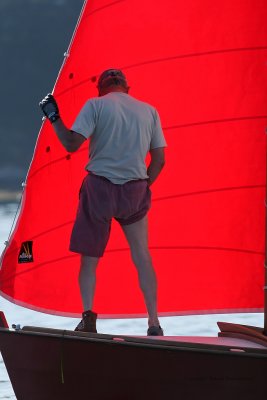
[50,109]
[154,169]
[64,134]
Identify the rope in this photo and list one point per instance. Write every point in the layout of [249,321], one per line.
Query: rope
[61,359]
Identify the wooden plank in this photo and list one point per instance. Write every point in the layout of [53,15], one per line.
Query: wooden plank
[164,342]
[57,366]
[252,333]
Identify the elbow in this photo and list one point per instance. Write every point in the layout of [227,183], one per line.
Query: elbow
[158,164]
[70,147]
[161,163]
[73,142]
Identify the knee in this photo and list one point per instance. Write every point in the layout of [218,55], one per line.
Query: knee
[141,256]
[88,264]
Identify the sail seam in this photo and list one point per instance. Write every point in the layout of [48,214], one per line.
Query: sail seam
[170,58]
[200,54]
[227,249]
[104,7]
[154,200]
[32,174]
[200,192]
[210,248]
[215,121]
[57,160]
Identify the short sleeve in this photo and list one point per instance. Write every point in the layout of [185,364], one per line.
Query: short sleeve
[157,139]
[85,121]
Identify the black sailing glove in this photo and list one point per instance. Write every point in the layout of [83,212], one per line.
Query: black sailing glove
[50,108]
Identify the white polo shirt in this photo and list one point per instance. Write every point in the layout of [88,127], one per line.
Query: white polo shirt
[122,130]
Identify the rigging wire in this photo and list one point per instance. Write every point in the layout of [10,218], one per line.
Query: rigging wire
[20,203]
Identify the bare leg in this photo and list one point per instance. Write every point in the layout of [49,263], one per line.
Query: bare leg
[137,237]
[87,280]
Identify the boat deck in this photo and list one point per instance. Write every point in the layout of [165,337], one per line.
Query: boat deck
[211,340]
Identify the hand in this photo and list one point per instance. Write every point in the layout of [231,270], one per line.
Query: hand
[50,108]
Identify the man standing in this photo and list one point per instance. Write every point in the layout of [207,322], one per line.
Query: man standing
[122,131]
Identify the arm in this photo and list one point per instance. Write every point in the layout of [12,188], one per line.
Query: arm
[156,164]
[69,139]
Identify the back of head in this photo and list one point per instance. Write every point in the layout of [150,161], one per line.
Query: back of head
[112,80]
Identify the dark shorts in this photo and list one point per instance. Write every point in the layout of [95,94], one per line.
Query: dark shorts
[100,201]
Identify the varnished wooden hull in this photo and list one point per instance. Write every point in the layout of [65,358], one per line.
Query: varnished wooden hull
[55,364]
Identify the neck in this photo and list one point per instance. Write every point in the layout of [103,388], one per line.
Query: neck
[113,89]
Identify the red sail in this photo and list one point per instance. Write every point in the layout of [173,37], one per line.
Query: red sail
[203,65]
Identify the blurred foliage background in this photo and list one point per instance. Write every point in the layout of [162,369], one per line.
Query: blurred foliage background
[34,34]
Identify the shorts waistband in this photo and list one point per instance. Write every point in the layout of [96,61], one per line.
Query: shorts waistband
[108,180]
